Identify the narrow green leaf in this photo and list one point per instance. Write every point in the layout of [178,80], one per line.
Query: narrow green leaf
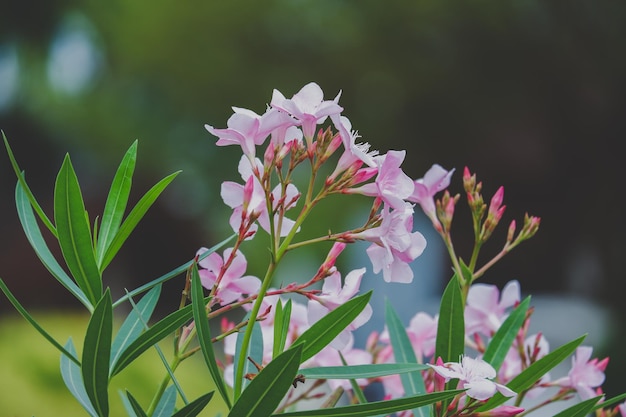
[97,354]
[135,215]
[204,333]
[195,407]
[268,387]
[127,405]
[413,383]
[255,350]
[133,326]
[361,371]
[135,405]
[73,379]
[504,337]
[377,407]
[322,332]
[74,233]
[450,343]
[36,240]
[534,372]
[116,202]
[34,323]
[31,197]
[167,403]
[611,401]
[356,389]
[282,317]
[172,274]
[582,409]
[151,336]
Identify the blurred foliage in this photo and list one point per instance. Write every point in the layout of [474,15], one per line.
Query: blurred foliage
[529,94]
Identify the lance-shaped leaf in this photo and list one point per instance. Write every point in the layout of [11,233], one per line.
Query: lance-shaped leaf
[73,379]
[527,378]
[34,323]
[582,409]
[74,233]
[361,371]
[204,334]
[116,202]
[97,354]
[377,407]
[450,342]
[413,383]
[167,403]
[151,336]
[133,326]
[195,407]
[504,337]
[22,180]
[36,240]
[269,386]
[323,331]
[282,317]
[136,407]
[135,215]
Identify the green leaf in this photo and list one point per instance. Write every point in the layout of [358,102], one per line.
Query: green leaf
[322,332]
[97,354]
[133,326]
[450,342]
[36,240]
[127,405]
[504,337]
[135,215]
[609,402]
[377,407]
[135,405]
[255,350]
[413,383]
[31,198]
[534,372]
[74,233]
[195,407]
[361,371]
[582,409]
[116,202]
[282,318]
[73,379]
[151,336]
[34,323]
[204,333]
[172,274]
[167,403]
[268,387]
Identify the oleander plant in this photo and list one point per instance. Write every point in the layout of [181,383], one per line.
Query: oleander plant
[292,351]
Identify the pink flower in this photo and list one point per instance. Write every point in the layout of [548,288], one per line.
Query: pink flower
[393,244]
[353,151]
[247,129]
[585,373]
[307,106]
[475,375]
[233,285]
[332,296]
[484,313]
[392,185]
[436,179]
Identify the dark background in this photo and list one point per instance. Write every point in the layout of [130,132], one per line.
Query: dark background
[529,94]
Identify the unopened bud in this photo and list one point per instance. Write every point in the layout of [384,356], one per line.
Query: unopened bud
[469,181]
[511,232]
[502,411]
[269,154]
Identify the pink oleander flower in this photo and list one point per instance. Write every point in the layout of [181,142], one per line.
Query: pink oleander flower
[247,129]
[392,185]
[332,296]
[394,244]
[353,151]
[585,374]
[308,107]
[486,309]
[436,179]
[475,375]
[233,284]
[252,195]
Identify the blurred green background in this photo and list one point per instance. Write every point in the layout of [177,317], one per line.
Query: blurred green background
[529,94]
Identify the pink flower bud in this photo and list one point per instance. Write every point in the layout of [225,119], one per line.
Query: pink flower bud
[511,232]
[268,156]
[503,411]
[248,188]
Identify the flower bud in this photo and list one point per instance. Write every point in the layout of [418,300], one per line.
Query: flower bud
[503,411]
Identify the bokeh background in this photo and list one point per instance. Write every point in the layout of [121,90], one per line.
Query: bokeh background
[529,94]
